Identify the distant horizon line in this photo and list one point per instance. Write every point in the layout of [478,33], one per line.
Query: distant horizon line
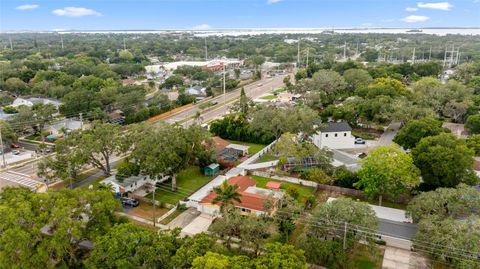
[231,29]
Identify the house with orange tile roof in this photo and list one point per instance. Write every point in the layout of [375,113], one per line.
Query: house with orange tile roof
[253,199]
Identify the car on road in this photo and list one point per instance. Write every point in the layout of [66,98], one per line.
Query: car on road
[15,152]
[359,140]
[15,146]
[129,202]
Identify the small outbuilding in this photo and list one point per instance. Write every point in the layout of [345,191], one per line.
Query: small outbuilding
[241,149]
[212,170]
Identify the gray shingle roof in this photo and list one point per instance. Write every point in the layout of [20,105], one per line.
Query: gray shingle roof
[336,127]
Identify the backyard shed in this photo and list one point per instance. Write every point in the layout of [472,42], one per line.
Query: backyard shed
[212,170]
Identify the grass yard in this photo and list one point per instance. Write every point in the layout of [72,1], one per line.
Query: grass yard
[362,258]
[172,216]
[304,192]
[145,211]
[267,158]
[268,97]
[254,148]
[188,181]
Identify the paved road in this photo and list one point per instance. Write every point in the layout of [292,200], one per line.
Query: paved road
[28,146]
[387,137]
[253,90]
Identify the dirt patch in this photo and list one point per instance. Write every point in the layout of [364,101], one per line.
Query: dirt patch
[145,211]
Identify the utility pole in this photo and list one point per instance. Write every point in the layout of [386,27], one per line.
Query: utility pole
[458,52]
[154,203]
[11,43]
[124,45]
[206,50]
[445,57]
[413,56]
[356,50]
[430,54]
[1,148]
[224,90]
[308,50]
[61,40]
[345,51]
[345,236]
[451,56]
[81,121]
[298,53]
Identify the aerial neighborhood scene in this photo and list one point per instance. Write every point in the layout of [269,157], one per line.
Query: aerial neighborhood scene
[262,134]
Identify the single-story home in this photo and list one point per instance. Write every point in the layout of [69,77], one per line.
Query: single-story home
[129,184]
[232,152]
[64,126]
[33,100]
[334,135]
[252,199]
[196,91]
[243,150]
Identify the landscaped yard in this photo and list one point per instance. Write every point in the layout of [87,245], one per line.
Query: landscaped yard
[254,148]
[304,192]
[172,216]
[268,97]
[188,181]
[267,158]
[145,211]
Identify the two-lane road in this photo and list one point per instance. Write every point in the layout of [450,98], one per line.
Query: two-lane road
[253,90]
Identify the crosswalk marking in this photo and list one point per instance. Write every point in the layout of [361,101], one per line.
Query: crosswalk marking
[19,179]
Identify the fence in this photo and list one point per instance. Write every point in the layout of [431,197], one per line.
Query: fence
[257,155]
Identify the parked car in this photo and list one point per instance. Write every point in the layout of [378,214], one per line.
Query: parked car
[15,146]
[15,152]
[359,140]
[129,202]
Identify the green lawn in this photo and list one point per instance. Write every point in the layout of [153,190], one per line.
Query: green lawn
[279,90]
[254,148]
[268,97]
[188,181]
[172,216]
[304,191]
[267,158]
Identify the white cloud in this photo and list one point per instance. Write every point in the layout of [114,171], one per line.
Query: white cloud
[273,1]
[27,7]
[387,20]
[201,27]
[367,24]
[438,5]
[414,18]
[76,12]
[411,9]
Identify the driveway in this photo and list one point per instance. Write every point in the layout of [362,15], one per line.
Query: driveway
[387,137]
[184,219]
[199,225]
[395,258]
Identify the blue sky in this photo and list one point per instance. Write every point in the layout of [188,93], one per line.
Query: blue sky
[215,14]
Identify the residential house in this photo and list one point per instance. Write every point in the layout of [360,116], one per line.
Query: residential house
[129,184]
[196,91]
[335,135]
[116,117]
[252,199]
[64,127]
[33,100]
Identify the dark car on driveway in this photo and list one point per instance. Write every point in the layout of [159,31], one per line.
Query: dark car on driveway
[129,202]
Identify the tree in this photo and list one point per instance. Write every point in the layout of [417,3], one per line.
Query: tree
[356,78]
[276,121]
[410,134]
[8,134]
[281,256]
[450,240]
[174,149]
[473,142]
[445,202]
[16,85]
[370,55]
[192,247]
[473,124]
[244,102]
[173,81]
[49,230]
[97,144]
[213,260]
[389,171]
[329,82]
[226,195]
[444,161]
[321,241]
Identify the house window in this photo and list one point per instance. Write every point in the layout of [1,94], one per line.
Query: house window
[336,134]
[326,135]
[344,134]
[246,210]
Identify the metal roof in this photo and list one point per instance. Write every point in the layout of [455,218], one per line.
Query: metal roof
[336,127]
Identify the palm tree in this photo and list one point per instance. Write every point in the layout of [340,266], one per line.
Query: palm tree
[226,194]
[197,118]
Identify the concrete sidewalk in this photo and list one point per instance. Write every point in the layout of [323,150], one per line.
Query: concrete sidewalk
[395,258]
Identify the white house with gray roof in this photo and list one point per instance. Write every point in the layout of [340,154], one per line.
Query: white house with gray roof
[335,135]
